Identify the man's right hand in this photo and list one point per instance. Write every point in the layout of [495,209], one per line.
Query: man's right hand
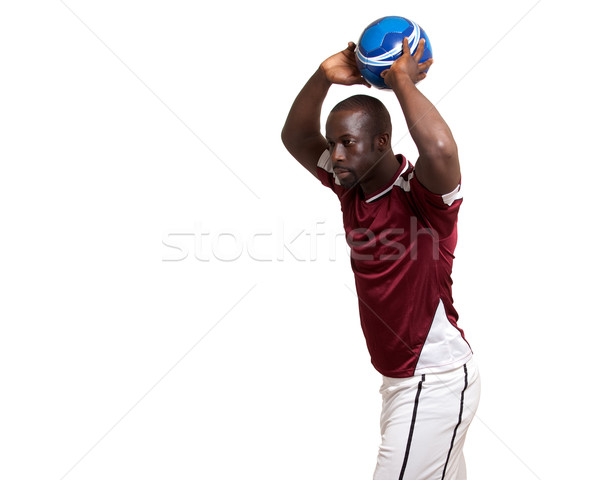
[341,68]
[301,133]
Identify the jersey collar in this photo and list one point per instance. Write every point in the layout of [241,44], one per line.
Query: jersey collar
[402,168]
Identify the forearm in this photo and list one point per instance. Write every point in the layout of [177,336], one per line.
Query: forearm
[304,119]
[429,131]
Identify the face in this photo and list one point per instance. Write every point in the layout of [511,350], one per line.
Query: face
[352,146]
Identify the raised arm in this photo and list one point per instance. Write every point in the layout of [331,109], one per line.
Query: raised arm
[301,133]
[437,167]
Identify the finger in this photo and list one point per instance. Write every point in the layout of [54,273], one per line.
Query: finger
[363,81]
[358,80]
[351,46]
[384,74]
[420,77]
[405,46]
[420,50]
[425,65]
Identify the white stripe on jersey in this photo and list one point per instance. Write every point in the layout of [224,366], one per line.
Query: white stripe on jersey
[399,181]
[455,194]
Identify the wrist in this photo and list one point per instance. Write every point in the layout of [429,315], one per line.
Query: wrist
[398,80]
[321,75]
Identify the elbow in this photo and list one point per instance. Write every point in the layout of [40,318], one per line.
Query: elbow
[291,140]
[442,149]
[287,137]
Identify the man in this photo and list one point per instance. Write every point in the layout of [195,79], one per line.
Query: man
[400,223]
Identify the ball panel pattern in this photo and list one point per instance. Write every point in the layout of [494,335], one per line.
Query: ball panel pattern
[380,45]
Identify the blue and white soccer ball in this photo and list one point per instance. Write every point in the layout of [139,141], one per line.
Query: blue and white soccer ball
[381,44]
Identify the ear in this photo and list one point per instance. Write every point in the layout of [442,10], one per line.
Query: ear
[383,141]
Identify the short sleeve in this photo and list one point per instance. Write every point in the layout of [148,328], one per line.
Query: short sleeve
[439,211]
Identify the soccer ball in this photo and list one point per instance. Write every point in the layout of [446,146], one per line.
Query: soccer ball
[380,44]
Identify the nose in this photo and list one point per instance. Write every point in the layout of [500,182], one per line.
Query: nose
[337,153]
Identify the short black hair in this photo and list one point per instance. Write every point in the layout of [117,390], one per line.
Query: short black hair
[373,107]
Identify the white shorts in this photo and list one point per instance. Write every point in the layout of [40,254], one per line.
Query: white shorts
[424,422]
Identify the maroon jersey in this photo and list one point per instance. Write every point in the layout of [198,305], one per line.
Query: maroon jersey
[402,239]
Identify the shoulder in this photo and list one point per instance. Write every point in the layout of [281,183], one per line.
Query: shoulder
[409,182]
[437,211]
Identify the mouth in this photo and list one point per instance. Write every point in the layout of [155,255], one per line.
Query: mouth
[342,174]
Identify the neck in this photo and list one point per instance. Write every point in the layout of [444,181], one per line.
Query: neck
[380,174]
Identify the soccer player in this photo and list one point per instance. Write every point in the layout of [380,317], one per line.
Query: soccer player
[400,224]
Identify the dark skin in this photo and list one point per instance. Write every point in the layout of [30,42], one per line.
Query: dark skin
[362,158]
[358,157]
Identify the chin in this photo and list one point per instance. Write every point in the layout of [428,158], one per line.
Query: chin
[348,181]
[348,184]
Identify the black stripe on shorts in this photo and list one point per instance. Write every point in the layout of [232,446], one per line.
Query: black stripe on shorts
[412,427]
[462,402]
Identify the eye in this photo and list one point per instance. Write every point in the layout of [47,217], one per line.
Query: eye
[347,142]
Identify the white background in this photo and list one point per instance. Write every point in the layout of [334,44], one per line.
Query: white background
[128,126]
